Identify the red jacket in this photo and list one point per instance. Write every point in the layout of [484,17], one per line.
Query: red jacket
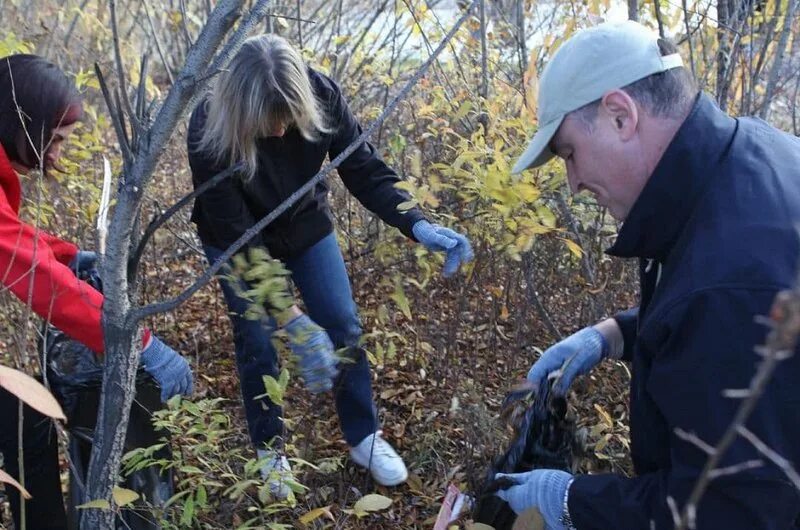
[34,266]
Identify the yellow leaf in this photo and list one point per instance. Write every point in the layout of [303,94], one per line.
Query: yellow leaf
[546,216]
[123,496]
[606,417]
[371,503]
[100,504]
[406,205]
[315,514]
[528,192]
[573,247]
[8,479]
[31,392]
[341,39]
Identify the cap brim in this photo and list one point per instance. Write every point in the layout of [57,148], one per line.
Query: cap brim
[538,151]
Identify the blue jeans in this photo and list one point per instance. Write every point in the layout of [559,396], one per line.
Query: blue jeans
[320,276]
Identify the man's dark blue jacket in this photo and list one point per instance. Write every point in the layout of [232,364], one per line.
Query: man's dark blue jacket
[715,229]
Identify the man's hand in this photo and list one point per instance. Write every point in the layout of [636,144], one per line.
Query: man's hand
[543,489]
[168,368]
[314,349]
[438,238]
[576,355]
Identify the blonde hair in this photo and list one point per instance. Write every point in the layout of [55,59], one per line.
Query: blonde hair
[266,86]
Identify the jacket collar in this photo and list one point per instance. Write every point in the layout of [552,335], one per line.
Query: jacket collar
[9,181]
[671,194]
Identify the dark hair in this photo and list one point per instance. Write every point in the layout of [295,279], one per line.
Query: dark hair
[667,94]
[35,96]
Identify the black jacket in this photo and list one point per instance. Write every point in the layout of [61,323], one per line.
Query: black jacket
[223,213]
[715,231]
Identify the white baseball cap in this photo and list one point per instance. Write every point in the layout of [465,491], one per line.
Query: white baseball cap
[592,62]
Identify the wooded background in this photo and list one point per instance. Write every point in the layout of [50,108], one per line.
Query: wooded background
[444,352]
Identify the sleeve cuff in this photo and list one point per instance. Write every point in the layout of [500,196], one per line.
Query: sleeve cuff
[410,218]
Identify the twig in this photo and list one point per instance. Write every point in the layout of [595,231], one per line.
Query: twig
[775,458]
[123,85]
[259,226]
[736,468]
[688,35]
[158,43]
[659,17]
[299,27]
[127,156]
[484,67]
[693,439]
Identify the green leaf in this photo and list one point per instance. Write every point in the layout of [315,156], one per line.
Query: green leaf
[399,297]
[99,504]
[123,496]
[188,511]
[276,389]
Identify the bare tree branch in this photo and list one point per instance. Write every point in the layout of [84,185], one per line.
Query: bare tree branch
[775,458]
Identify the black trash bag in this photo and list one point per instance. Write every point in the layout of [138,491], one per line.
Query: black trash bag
[544,438]
[75,375]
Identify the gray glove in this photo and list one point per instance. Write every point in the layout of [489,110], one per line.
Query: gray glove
[168,368]
[576,355]
[314,349]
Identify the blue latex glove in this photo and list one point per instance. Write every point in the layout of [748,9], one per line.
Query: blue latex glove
[577,354]
[314,350]
[543,489]
[84,265]
[168,368]
[438,238]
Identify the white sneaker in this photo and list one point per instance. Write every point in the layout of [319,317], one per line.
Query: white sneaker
[276,471]
[375,454]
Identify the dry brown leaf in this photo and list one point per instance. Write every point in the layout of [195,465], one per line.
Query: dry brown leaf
[8,479]
[31,391]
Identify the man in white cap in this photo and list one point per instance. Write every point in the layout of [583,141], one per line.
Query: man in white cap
[709,205]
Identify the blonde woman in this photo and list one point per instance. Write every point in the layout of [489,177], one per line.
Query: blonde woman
[280,119]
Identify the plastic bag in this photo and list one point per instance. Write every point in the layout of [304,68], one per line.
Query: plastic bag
[75,375]
[544,438]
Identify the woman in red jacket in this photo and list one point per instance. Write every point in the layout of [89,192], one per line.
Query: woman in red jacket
[39,108]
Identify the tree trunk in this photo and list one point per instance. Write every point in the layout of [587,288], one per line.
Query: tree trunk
[119,325]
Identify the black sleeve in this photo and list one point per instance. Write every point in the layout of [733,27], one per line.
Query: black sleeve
[364,173]
[628,322]
[708,348]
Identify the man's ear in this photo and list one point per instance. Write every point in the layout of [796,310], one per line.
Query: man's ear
[618,107]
